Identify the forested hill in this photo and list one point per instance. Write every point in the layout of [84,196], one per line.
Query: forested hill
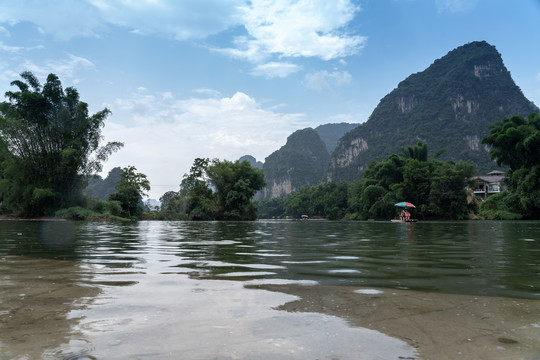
[288,169]
[102,188]
[300,162]
[252,161]
[450,106]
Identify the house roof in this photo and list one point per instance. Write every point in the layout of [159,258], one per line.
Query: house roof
[490,178]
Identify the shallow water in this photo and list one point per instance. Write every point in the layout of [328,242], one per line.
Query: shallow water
[178,289]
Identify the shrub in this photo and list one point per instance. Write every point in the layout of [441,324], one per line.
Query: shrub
[75,213]
[113,207]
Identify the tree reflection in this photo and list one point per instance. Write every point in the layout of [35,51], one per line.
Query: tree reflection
[38,297]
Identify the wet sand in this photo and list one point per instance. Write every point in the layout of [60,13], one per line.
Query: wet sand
[440,326]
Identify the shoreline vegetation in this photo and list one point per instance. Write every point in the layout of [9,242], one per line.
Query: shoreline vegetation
[50,151]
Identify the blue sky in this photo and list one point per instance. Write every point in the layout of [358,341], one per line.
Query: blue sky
[225,78]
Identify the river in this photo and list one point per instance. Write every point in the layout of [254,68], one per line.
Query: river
[269,290]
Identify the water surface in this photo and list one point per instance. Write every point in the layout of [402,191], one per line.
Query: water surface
[165,289]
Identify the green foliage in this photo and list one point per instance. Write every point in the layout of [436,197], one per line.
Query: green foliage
[105,207]
[130,190]
[75,213]
[327,200]
[448,197]
[501,206]
[48,142]
[301,161]
[216,190]
[272,208]
[173,206]
[235,184]
[418,152]
[515,142]
[113,208]
[438,189]
[449,105]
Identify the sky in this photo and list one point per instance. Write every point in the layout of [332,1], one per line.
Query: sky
[226,78]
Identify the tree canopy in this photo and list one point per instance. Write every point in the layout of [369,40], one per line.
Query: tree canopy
[130,190]
[48,143]
[437,188]
[515,142]
[215,190]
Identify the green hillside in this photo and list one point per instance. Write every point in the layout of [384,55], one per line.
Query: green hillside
[300,162]
[450,106]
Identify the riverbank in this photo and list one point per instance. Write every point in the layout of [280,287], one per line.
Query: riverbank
[9,218]
[440,326]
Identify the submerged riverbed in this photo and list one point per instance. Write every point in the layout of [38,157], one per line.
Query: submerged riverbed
[269,290]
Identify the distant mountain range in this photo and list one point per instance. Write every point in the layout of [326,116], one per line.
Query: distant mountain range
[450,106]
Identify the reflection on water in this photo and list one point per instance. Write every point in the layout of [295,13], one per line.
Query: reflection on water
[476,258]
[157,289]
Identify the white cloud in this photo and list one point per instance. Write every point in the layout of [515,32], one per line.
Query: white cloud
[182,20]
[275,69]
[300,28]
[455,6]
[209,92]
[163,135]
[9,49]
[65,68]
[4,32]
[277,28]
[325,80]
[63,19]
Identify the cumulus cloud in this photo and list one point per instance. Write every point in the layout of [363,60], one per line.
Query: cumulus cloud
[166,134]
[327,80]
[301,28]
[275,69]
[278,28]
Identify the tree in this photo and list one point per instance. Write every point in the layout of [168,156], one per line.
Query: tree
[131,189]
[235,184]
[49,142]
[173,205]
[436,188]
[220,190]
[418,152]
[515,142]
[417,177]
[448,196]
[272,208]
[199,198]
